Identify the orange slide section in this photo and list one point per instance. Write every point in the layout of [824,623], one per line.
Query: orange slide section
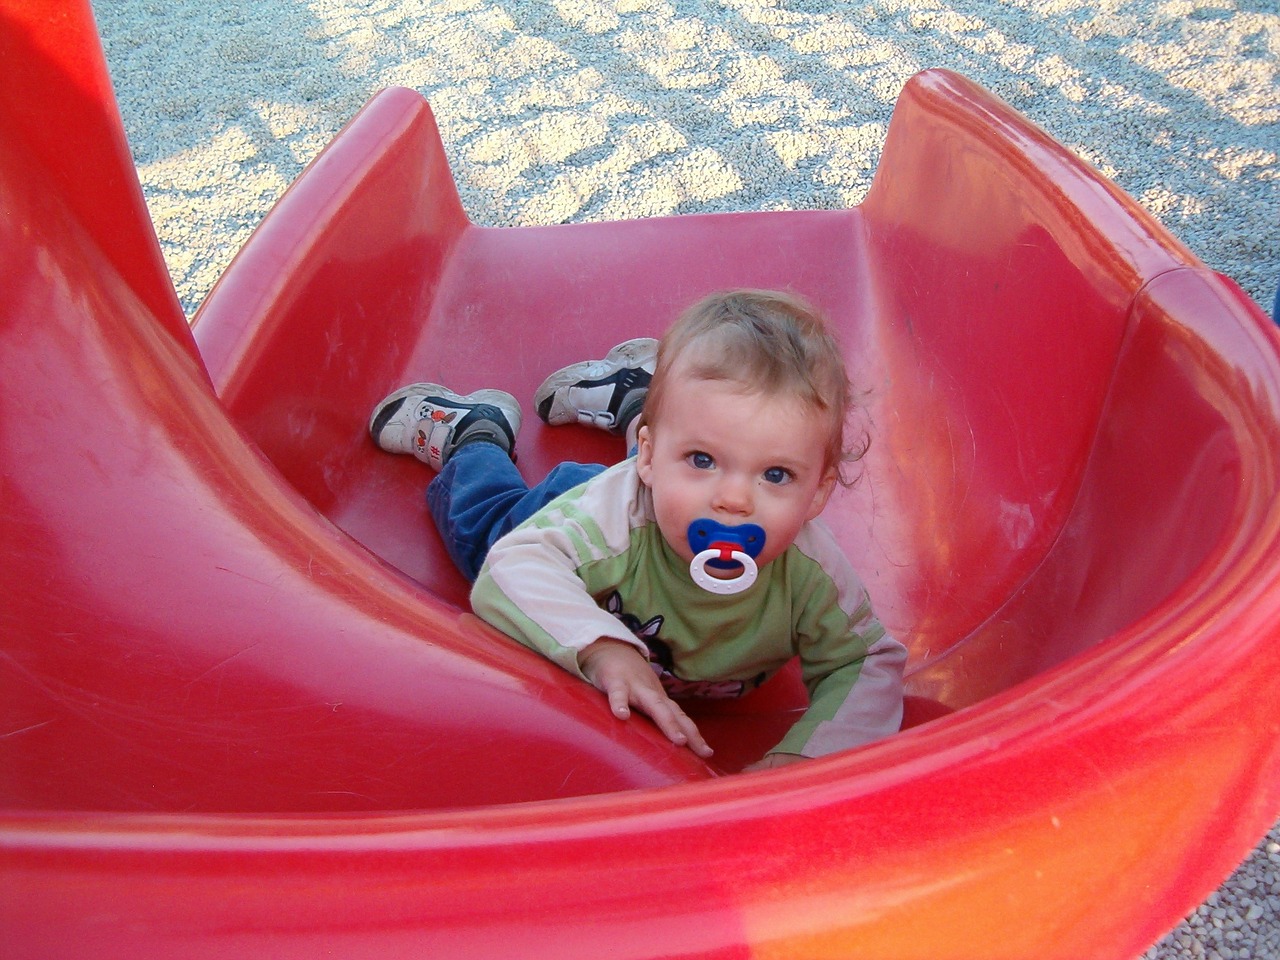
[244,710]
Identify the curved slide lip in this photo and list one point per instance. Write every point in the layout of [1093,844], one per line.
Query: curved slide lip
[1094,763]
[997,831]
[1073,796]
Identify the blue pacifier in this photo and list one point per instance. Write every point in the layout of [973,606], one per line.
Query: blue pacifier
[723,547]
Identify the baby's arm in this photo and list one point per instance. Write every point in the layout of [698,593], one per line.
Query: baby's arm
[858,702]
[619,671]
[852,668]
[529,589]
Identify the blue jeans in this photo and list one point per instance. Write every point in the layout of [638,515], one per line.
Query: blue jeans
[480,495]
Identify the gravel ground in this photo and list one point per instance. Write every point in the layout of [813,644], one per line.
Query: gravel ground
[575,110]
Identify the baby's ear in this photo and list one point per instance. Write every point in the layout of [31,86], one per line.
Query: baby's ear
[644,455]
[823,493]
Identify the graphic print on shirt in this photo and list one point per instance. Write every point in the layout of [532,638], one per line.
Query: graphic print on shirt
[663,662]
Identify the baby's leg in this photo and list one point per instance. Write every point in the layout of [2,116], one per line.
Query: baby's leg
[479,495]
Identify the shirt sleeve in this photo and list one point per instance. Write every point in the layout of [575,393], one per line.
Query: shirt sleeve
[851,667]
[531,590]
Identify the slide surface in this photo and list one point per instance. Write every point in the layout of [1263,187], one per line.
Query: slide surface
[246,711]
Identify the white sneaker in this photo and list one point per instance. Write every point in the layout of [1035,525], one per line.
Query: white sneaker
[431,421]
[606,393]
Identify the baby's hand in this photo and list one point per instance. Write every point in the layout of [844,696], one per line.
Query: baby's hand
[619,671]
[772,760]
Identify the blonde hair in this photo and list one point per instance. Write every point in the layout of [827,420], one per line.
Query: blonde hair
[766,341]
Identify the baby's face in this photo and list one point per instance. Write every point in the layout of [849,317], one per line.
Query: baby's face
[735,457]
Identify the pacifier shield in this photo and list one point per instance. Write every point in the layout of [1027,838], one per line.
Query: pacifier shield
[726,548]
[707,534]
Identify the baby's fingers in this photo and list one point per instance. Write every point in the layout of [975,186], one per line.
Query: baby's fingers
[672,721]
[619,701]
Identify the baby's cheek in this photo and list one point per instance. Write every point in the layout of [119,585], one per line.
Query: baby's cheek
[677,541]
[673,526]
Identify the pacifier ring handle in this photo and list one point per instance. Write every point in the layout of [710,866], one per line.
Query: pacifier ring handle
[722,545]
[727,586]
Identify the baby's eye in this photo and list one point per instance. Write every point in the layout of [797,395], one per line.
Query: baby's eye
[701,461]
[778,475]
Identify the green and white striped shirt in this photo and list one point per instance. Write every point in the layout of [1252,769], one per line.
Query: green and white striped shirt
[593,564]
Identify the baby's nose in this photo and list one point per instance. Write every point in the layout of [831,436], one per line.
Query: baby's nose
[733,495]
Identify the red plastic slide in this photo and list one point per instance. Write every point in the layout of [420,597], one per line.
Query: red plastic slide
[245,712]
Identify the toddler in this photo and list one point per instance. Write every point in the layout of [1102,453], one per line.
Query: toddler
[696,567]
